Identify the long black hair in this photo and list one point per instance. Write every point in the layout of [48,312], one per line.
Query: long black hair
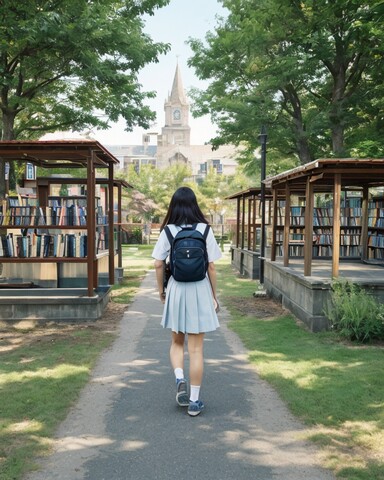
[183,209]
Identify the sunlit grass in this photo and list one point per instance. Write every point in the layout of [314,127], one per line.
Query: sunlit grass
[336,388]
[41,379]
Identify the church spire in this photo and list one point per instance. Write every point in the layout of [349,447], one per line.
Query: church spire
[176,130]
[177,93]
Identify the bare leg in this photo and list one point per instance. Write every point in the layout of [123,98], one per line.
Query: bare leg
[177,350]
[196,358]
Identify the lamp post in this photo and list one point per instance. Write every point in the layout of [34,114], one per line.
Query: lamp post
[263,142]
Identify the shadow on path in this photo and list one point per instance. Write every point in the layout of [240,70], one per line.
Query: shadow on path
[127,424]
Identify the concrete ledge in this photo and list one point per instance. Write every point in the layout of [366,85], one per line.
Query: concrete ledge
[305,297]
[44,305]
[246,262]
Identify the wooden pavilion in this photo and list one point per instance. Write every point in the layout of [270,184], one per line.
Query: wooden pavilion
[303,284]
[64,285]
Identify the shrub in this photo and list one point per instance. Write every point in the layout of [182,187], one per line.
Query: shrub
[132,236]
[354,313]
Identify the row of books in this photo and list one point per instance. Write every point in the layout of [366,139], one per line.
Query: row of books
[73,215]
[376,212]
[376,217]
[43,245]
[21,200]
[57,201]
[376,253]
[378,203]
[350,251]
[376,222]
[375,240]
[66,215]
[321,251]
[327,239]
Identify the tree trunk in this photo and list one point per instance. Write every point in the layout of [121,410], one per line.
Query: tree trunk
[8,121]
[337,132]
[337,110]
[303,148]
[8,133]
[293,107]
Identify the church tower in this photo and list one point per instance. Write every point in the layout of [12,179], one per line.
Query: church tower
[176,130]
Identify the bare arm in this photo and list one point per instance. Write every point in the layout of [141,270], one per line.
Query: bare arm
[159,267]
[212,279]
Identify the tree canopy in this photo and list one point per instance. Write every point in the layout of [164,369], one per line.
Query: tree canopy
[310,71]
[73,64]
[157,186]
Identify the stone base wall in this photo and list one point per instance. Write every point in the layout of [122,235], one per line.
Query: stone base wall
[246,262]
[45,305]
[305,297]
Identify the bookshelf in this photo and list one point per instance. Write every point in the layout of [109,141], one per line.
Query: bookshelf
[322,239]
[376,230]
[47,232]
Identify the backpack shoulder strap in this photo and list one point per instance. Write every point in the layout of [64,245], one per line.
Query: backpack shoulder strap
[200,229]
[169,234]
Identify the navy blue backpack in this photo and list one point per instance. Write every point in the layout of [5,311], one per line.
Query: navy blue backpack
[188,258]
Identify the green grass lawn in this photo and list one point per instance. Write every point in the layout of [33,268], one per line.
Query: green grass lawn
[43,369]
[334,387]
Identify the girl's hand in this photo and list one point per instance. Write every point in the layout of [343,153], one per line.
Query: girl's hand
[216,305]
[162,297]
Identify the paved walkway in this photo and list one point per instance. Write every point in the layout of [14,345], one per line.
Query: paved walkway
[127,425]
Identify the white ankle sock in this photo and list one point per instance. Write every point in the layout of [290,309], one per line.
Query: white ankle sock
[179,373]
[195,391]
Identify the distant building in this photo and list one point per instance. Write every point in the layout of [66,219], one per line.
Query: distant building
[173,144]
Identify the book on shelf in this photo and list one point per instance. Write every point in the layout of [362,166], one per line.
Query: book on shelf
[375,240]
[44,245]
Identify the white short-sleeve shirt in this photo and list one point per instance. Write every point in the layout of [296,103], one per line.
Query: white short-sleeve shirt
[162,247]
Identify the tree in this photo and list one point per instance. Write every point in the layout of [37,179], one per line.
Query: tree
[72,64]
[158,185]
[301,68]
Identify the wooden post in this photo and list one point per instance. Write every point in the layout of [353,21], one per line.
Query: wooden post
[274,225]
[238,223]
[336,225]
[249,226]
[287,225]
[111,229]
[364,224]
[243,223]
[91,225]
[119,228]
[308,230]
[254,221]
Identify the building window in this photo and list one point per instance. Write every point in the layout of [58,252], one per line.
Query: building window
[203,168]
[30,173]
[216,164]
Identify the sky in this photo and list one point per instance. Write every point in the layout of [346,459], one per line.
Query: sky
[173,24]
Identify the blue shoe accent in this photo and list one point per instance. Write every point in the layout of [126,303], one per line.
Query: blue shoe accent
[195,408]
[182,397]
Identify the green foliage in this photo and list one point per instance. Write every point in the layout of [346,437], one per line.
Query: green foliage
[310,73]
[158,186]
[132,236]
[73,65]
[85,54]
[354,313]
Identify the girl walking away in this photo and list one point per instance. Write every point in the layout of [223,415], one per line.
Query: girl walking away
[189,306]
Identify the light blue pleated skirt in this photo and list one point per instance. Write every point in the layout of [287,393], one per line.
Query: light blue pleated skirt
[189,307]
